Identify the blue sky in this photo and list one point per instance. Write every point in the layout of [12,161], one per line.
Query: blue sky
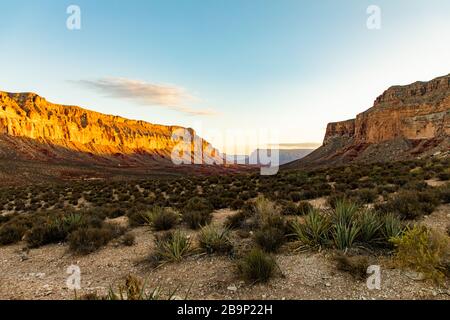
[288,65]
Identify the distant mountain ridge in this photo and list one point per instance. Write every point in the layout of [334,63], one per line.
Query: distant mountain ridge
[405,122]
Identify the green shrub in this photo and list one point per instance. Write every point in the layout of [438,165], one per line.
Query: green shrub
[14,230]
[365,196]
[197,213]
[344,235]
[257,266]
[87,240]
[214,239]
[269,238]
[236,220]
[391,227]
[424,251]
[411,205]
[345,228]
[171,247]
[295,196]
[314,232]
[289,209]
[161,218]
[369,226]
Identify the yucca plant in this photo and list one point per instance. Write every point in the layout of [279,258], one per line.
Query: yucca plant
[215,239]
[135,289]
[392,226]
[314,231]
[172,247]
[345,212]
[370,225]
[344,235]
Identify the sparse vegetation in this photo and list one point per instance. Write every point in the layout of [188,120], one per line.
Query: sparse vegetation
[257,266]
[215,239]
[171,246]
[424,251]
[161,219]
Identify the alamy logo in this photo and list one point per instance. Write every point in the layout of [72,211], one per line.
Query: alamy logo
[374,280]
[73,282]
[374,19]
[73,22]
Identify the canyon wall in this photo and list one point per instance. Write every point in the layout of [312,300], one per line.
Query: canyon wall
[29,116]
[417,111]
[404,122]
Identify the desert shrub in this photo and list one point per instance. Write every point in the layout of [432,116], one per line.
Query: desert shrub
[128,239]
[267,214]
[197,219]
[314,231]
[87,240]
[304,207]
[161,218]
[424,251]
[295,196]
[355,265]
[365,196]
[136,218]
[237,204]
[236,220]
[269,238]
[289,209]
[54,229]
[11,233]
[443,193]
[171,247]
[14,230]
[410,205]
[197,213]
[214,239]
[257,266]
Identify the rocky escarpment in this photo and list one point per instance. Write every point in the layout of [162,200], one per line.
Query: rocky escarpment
[33,128]
[404,122]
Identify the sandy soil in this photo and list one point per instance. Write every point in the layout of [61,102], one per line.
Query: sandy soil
[41,274]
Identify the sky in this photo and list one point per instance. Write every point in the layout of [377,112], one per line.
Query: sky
[266,71]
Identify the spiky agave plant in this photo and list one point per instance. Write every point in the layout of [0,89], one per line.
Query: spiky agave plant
[344,235]
[370,225]
[215,239]
[172,247]
[314,231]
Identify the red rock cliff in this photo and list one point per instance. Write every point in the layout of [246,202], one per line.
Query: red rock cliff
[417,111]
[27,115]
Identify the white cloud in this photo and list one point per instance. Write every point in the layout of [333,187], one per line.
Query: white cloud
[147,94]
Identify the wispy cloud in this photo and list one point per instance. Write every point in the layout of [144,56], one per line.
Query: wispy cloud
[147,94]
[301,145]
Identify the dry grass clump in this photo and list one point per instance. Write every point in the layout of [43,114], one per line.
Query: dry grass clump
[355,265]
